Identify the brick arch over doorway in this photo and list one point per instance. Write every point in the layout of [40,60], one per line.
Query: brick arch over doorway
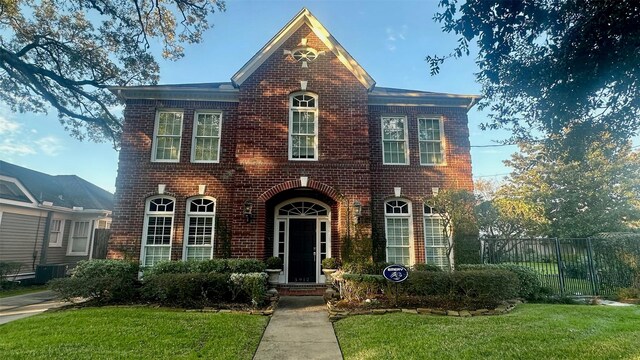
[293,184]
[294,189]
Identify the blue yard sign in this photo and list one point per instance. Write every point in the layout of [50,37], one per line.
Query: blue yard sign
[395,273]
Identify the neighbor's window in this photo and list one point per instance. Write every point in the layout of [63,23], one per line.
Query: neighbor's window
[158,231]
[168,136]
[206,137]
[394,140]
[398,231]
[55,233]
[430,137]
[303,127]
[200,226]
[435,242]
[79,242]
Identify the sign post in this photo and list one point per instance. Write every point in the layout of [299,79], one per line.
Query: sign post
[396,274]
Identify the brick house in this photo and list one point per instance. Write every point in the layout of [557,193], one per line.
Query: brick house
[285,159]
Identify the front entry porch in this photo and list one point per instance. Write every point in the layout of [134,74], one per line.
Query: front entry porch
[302,238]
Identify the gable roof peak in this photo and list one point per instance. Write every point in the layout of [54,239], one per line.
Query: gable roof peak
[303,17]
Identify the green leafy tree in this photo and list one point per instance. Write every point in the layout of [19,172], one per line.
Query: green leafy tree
[510,217]
[456,209]
[580,198]
[62,55]
[568,69]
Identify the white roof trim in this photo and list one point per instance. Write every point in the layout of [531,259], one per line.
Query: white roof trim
[304,17]
[22,188]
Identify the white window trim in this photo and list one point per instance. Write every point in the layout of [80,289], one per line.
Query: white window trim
[145,228]
[426,216]
[188,215]
[442,140]
[72,234]
[316,118]
[194,136]
[155,136]
[408,216]
[59,237]
[406,139]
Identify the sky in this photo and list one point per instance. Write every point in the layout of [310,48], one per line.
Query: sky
[390,40]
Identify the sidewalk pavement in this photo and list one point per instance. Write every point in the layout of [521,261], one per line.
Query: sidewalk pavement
[21,306]
[299,329]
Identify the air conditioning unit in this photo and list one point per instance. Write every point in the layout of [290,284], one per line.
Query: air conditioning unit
[44,273]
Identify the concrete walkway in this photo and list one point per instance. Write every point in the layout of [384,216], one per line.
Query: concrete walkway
[21,306]
[299,329]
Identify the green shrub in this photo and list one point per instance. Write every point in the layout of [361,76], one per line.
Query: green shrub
[330,263]
[274,262]
[190,290]
[6,269]
[104,281]
[371,268]
[243,266]
[628,293]
[452,290]
[359,287]
[253,285]
[426,267]
[423,283]
[529,285]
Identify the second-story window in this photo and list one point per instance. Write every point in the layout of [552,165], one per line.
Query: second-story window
[303,127]
[206,136]
[394,140]
[168,136]
[430,138]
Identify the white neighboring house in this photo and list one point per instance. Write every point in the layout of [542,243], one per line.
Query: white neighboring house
[49,220]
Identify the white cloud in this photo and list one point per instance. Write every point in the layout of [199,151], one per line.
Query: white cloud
[394,35]
[10,147]
[49,145]
[8,126]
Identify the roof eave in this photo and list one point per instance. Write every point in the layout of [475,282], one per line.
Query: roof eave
[174,93]
[418,99]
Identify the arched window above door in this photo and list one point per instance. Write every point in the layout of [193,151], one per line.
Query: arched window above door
[303,208]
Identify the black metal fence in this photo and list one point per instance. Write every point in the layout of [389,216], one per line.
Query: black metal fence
[590,266]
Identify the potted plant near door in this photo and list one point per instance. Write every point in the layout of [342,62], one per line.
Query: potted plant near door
[274,267]
[329,266]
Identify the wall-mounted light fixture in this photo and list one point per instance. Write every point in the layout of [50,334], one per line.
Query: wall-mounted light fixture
[357,210]
[247,210]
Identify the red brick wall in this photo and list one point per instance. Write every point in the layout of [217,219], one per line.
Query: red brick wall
[254,156]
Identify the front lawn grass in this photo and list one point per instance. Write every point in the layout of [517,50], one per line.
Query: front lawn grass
[21,290]
[132,333]
[531,331]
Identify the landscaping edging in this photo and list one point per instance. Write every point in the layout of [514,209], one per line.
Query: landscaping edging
[337,314]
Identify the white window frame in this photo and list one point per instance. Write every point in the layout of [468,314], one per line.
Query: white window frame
[155,135]
[315,112]
[434,216]
[195,136]
[72,238]
[409,217]
[188,215]
[441,140]
[405,140]
[58,234]
[145,232]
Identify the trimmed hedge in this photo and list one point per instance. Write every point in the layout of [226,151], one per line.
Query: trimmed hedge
[458,289]
[104,281]
[426,267]
[529,285]
[371,268]
[241,266]
[191,290]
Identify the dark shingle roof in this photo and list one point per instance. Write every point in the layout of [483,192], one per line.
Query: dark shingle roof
[62,190]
